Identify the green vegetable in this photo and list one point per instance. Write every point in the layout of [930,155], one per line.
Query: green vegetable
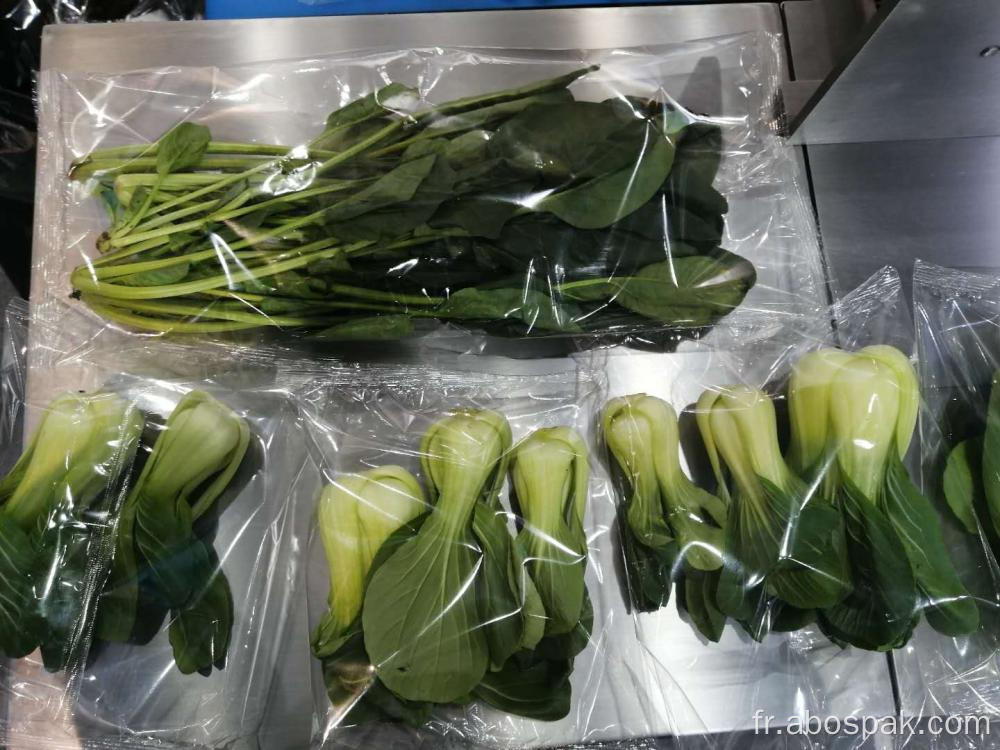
[81,448]
[362,518]
[779,537]
[434,601]
[550,470]
[852,418]
[421,615]
[666,516]
[192,463]
[991,455]
[355,517]
[962,482]
[518,212]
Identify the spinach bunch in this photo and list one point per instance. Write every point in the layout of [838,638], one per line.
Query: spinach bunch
[521,212]
[433,600]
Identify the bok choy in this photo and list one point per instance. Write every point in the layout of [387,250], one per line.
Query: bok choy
[860,410]
[434,600]
[191,464]
[666,519]
[82,448]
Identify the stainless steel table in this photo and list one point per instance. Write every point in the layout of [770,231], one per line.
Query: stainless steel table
[709,689]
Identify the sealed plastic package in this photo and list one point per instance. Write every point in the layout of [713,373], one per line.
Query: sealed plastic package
[60,491]
[958,340]
[171,558]
[461,575]
[636,196]
[794,543]
[614,195]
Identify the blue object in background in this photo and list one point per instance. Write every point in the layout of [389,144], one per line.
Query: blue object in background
[218,9]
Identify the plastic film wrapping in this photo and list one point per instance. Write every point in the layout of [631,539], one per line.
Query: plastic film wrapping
[191,565]
[955,312]
[799,653]
[604,196]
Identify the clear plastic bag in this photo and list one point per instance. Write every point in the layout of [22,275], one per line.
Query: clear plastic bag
[783,669]
[956,314]
[487,242]
[61,489]
[402,432]
[212,550]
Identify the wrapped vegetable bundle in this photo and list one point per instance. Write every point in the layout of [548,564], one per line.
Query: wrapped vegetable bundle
[433,600]
[972,475]
[49,532]
[519,212]
[669,525]
[833,532]
[164,560]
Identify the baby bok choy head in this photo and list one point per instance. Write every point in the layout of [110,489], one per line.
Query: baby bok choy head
[356,515]
[857,412]
[666,518]
[550,473]
[423,613]
[361,517]
[80,443]
[83,445]
[193,461]
[783,542]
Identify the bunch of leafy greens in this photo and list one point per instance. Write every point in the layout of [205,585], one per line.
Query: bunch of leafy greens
[433,600]
[781,545]
[669,526]
[51,503]
[519,212]
[164,560]
[971,480]
[834,532]
[852,418]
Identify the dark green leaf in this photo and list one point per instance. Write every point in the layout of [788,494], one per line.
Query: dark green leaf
[604,199]
[567,645]
[499,594]
[391,98]
[535,309]
[991,454]
[949,607]
[399,217]
[696,595]
[200,631]
[879,613]
[375,328]
[178,560]
[600,163]
[539,691]
[694,291]
[466,104]
[420,616]
[181,148]
[648,570]
[397,202]
[116,611]
[19,625]
[563,142]
[963,481]
[788,619]
[811,571]
[63,567]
